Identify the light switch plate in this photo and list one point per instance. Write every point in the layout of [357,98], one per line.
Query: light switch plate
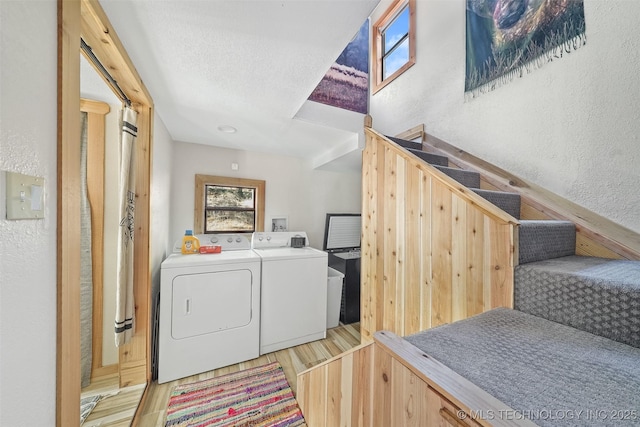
[25,196]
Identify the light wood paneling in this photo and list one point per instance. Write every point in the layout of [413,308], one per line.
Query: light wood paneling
[389,382]
[96,112]
[432,251]
[339,391]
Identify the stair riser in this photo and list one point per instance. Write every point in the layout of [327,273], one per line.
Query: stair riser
[540,240]
[508,202]
[467,178]
[432,159]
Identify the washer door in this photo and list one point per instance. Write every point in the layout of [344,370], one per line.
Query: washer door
[210,302]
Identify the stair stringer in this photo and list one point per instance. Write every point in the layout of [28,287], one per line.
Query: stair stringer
[596,236]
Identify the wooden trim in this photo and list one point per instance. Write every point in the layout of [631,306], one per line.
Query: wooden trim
[596,235]
[413,133]
[100,35]
[97,107]
[202,180]
[334,358]
[68,217]
[104,371]
[368,121]
[378,82]
[96,112]
[389,382]
[86,19]
[460,391]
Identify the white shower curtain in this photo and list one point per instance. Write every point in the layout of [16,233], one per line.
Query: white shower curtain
[124,321]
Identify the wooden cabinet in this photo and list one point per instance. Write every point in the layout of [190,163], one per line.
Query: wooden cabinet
[390,383]
[402,398]
[446,414]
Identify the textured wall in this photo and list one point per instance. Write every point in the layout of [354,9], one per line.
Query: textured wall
[160,198]
[292,187]
[28,247]
[571,126]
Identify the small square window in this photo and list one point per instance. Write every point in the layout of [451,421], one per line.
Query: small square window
[228,205]
[394,43]
[229,209]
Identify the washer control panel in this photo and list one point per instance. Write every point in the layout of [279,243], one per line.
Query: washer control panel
[275,239]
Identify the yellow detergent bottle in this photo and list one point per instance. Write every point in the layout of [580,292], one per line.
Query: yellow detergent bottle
[190,243]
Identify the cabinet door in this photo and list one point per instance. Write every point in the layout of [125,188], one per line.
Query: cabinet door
[401,398]
[443,413]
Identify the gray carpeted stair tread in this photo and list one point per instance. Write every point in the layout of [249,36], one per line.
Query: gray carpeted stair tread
[406,143]
[508,202]
[539,367]
[433,159]
[546,239]
[467,178]
[596,295]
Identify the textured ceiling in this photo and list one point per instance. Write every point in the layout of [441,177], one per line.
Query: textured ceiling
[247,64]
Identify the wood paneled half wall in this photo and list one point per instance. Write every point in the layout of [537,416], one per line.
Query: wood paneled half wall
[433,252]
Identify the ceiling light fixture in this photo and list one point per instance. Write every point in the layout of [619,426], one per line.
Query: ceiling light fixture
[227,129]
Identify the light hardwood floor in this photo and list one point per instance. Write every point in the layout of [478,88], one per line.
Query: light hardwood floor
[117,407]
[293,360]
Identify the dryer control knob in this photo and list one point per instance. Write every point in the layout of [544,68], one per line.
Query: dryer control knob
[238,239]
[230,239]
[214,240]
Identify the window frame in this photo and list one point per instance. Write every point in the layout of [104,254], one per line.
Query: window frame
[378,30]
[201,181]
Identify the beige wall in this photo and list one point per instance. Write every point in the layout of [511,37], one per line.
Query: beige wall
[28,129]
[571,126]
[293,188]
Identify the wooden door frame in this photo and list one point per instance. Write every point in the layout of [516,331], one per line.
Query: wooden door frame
[96,143]
[86,19]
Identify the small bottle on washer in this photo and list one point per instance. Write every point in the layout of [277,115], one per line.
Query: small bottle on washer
[190,243]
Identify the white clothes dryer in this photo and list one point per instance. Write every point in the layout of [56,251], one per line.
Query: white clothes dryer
[294,290]
[209,308]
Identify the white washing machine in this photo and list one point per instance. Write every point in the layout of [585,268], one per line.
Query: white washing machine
[294,290]
[209,308]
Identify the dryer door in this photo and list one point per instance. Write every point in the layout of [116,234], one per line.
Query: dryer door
[210,302]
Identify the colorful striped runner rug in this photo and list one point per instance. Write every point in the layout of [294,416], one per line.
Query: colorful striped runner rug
[256,397]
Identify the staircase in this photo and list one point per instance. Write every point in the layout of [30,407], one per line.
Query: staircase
[597,295]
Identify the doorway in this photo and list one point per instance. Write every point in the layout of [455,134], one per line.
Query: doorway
[85,19]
